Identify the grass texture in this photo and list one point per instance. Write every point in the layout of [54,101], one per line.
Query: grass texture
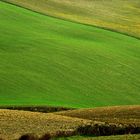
[48,61]
[118,15]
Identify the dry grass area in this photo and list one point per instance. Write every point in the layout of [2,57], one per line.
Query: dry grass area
[123,114]
[14,123]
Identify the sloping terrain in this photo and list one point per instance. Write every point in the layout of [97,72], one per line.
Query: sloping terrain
[13,124]
[48,61]
[118,114]
[118,15]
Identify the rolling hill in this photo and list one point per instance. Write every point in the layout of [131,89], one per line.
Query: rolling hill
[49,61]
[117,114]
[117,15]
[14,123]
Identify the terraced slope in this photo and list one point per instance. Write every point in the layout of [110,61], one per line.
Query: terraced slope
[118,15]
[48,61]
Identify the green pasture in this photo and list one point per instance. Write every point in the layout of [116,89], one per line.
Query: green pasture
[49,61]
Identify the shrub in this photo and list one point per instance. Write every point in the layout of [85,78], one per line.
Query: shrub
[107,129]
[28,137]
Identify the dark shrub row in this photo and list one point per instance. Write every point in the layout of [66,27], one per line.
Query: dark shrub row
[34,137]
[48,136]
[107,129]
[102,129]
[44,109]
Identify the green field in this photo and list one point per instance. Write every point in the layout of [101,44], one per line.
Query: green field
[49,61]
[118,15]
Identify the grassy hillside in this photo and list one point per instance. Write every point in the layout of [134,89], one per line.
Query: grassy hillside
[44,60]
[118,15]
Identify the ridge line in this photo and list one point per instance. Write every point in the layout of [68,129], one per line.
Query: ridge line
[64,19]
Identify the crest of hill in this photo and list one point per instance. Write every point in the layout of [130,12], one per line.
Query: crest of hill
[118,15]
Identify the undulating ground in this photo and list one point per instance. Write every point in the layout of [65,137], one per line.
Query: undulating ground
[117,15]
[117,114]
[14,123]
[56,53]
[49,61]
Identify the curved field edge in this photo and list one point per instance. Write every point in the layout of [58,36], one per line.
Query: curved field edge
[121,16]
[46,61]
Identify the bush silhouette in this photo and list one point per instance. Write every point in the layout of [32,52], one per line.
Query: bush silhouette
[28,137]
[107,129]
